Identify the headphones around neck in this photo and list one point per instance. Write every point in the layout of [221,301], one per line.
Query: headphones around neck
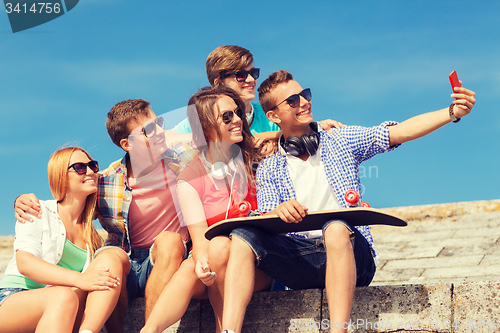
[218,170]
[306,143]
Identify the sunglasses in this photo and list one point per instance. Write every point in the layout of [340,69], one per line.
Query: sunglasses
[227,116]
[81,168]
[242,75]
[150,129]
[294,100]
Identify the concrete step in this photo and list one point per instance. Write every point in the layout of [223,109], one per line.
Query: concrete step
[439,307]
[448,249]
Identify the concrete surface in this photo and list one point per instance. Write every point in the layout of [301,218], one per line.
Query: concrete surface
[446,243]
[439,274]
[437,307]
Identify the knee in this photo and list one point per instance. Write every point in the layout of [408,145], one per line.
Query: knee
[115,259]
[169,246]
[66,299]
[218,252]
[186,271]
[337,237]
[239,248]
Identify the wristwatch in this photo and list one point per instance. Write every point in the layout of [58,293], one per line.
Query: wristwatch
[452,115]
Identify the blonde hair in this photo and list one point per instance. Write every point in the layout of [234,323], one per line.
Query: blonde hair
[57,171]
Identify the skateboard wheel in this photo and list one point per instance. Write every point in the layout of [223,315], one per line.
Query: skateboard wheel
[244,207]
[352,197]
[365,204]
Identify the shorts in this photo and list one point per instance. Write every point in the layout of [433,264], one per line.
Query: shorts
[300,263]
[6,292]
[141,264]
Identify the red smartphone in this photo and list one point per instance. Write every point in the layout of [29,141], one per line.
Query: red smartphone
[454,80]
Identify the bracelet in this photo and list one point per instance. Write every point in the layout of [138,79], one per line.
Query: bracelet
[452,115]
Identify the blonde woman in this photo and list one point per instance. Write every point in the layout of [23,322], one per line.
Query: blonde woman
[51,279]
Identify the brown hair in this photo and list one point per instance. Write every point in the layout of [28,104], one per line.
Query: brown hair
[201,116]
[57,171]
[121,114]
[225,59]
[266,99]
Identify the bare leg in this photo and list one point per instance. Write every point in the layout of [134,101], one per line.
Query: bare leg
[167,255]
[114,324]
[239,284]
[340,275]
[100,304]
[183,286]
[218,257]
[51,309]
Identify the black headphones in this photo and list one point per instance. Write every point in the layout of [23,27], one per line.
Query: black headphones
[306,143]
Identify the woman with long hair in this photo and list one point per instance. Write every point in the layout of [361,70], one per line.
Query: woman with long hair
[51,284]
[210,190]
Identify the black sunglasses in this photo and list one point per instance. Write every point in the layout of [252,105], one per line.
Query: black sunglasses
[81,168]
[294,100]
[150,129]
[242,75]
[227,116]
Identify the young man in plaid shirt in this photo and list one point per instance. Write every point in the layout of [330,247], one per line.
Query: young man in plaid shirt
[137,204]
[311,172]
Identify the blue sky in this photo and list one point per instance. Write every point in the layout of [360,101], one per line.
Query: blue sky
[365,62]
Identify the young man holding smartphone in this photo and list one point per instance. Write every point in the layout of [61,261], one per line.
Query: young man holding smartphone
[339,257]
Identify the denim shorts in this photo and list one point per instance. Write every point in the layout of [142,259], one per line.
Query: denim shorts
[141,264]
[6,292]
[300,263]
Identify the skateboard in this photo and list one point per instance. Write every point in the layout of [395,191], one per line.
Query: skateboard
[358,214]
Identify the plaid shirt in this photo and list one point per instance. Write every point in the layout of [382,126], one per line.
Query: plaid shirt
[115,195]
[341,153]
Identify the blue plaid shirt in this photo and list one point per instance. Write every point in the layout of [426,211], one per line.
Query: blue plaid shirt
[341,153]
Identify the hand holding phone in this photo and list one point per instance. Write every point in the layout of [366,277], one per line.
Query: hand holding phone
[454,80]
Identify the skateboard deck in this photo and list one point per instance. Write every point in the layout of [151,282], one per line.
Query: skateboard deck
[355,216]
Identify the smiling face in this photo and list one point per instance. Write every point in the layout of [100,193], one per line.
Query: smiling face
[232,131]
[245,89]
[85,184]
[137,144]
[292,121]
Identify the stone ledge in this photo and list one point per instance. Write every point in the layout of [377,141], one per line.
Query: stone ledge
[398,308]
[444,210]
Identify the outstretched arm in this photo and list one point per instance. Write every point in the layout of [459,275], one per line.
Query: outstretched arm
[173,136]
[267,141]
[426,123]
[327,125]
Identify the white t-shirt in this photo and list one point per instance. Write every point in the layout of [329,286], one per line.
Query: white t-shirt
[311,186]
